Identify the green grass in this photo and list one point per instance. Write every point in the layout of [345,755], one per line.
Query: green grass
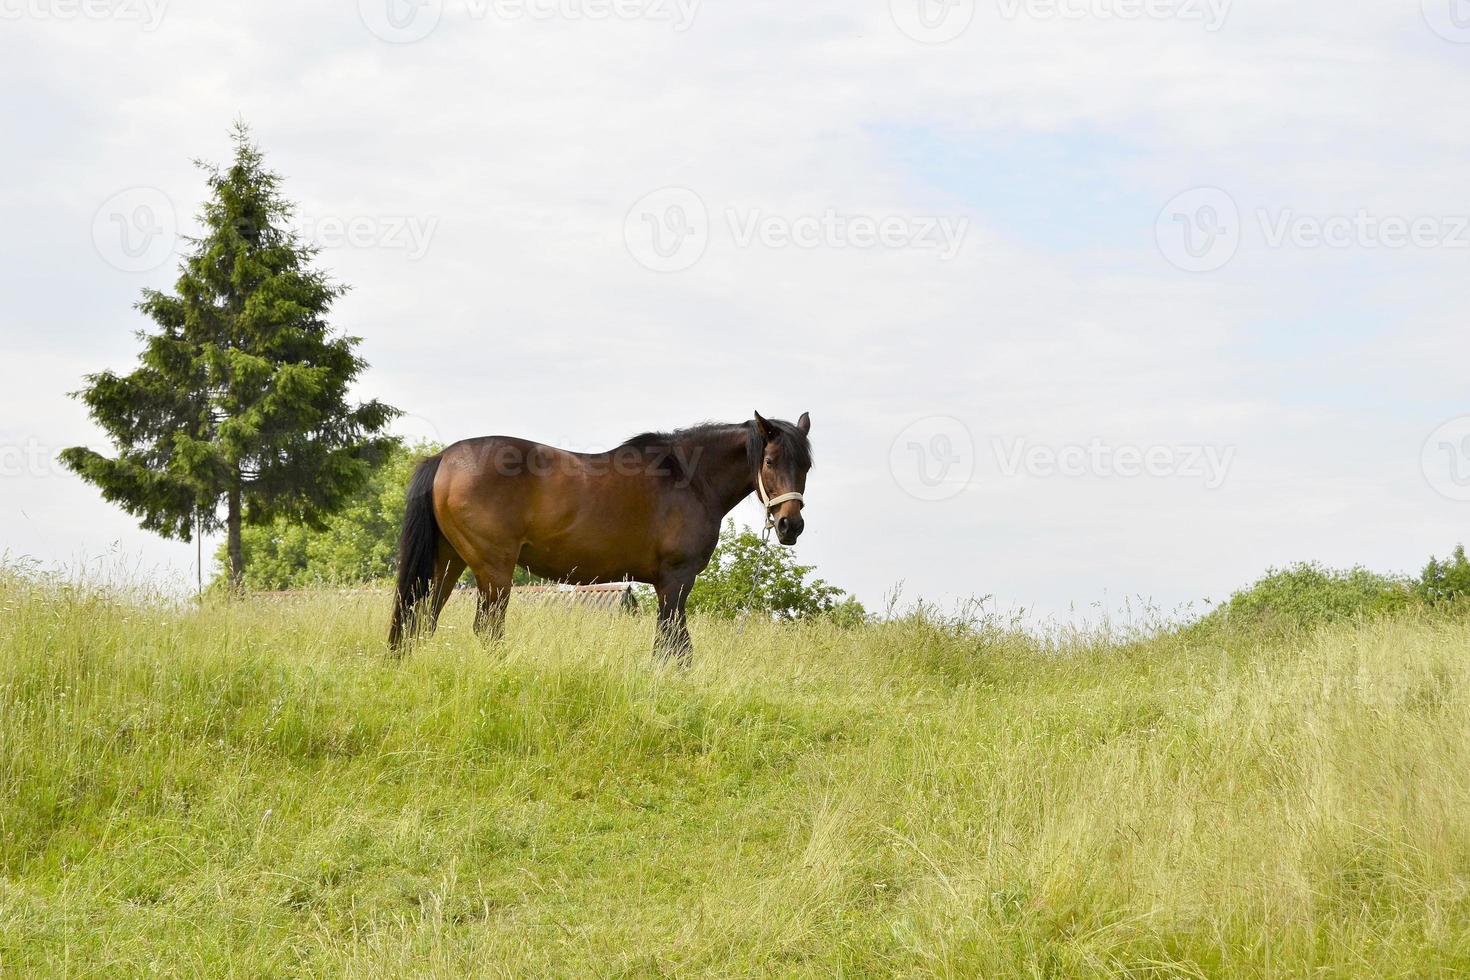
[254,789]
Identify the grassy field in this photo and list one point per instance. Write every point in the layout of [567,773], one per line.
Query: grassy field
[256,790]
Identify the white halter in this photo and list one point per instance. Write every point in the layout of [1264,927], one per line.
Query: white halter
[770,502]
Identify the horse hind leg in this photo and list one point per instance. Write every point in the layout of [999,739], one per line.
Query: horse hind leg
[418,619]
[447,570]
[422,620]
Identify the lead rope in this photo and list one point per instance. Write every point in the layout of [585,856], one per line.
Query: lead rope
[755,580]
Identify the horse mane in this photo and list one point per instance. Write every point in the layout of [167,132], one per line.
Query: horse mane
[791,439]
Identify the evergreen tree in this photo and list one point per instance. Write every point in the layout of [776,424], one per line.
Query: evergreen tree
[240,400]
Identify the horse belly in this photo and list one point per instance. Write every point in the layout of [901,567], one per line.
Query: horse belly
[582,566]
[596,539]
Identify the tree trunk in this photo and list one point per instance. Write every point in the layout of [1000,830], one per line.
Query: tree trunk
[237,557]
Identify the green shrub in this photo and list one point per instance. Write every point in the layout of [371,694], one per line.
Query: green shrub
[1306,595]
[746,574]
[1445,581]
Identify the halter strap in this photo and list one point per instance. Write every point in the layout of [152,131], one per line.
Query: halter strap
[769,501]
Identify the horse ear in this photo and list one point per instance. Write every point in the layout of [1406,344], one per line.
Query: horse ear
[767,433]
[804,424]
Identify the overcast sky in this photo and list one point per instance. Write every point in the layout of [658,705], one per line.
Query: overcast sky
[1087,299]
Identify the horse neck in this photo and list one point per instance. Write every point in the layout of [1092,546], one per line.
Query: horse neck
[725,472]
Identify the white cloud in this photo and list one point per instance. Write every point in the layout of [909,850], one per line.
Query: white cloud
[526,143]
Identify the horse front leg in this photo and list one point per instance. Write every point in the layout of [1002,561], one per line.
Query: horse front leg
[671,641]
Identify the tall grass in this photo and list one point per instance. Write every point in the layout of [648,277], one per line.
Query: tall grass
[256,789]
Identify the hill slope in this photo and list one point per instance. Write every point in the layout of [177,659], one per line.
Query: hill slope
[256,790]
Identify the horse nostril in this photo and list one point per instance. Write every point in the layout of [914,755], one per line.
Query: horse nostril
[783,525]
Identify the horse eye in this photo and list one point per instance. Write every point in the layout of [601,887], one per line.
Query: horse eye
[768,461]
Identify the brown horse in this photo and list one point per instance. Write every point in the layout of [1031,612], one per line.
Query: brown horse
[648,511]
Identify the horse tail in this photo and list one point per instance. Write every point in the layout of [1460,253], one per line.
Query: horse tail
[418,551]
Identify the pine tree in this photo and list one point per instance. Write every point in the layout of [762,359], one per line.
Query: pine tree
[239,402]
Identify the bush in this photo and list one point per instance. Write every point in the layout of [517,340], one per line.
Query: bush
[1445,581]
[1306,594]
[745,574]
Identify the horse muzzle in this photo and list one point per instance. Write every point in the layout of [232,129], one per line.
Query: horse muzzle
[788,529]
